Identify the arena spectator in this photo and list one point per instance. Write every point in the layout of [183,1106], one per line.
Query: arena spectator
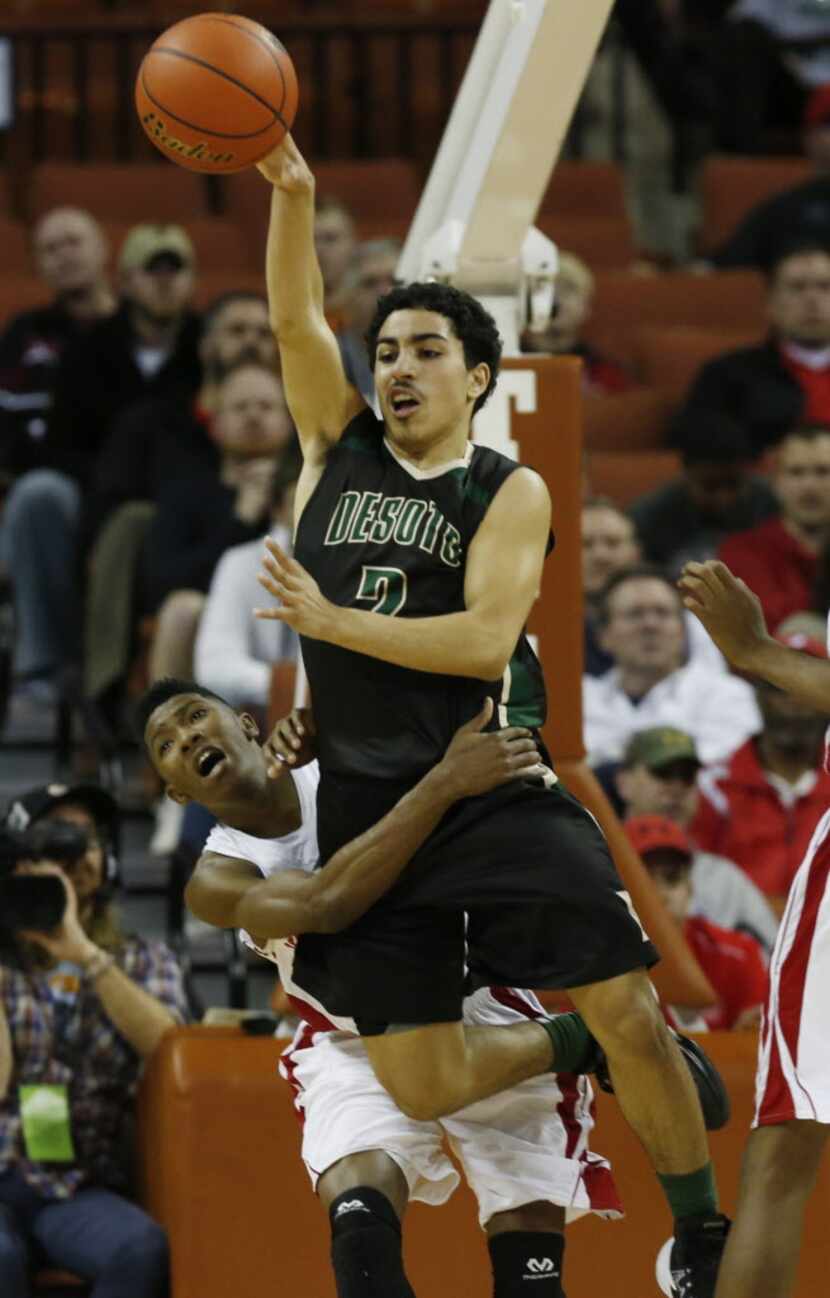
[334,242]
[610,544]
[658,777]
[149,347]
[642,628]
[562,334]
[70,256]
[716,494]
[200,517]
[802,212]
[732,961]
[374,272]
[776,384]
[81,1007]
[234,650]
[761,805]
[779,558]
[153,443]
[770,55]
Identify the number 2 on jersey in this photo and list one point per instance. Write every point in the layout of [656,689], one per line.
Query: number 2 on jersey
[386,586]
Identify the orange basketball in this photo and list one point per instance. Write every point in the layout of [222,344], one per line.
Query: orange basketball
[216,92]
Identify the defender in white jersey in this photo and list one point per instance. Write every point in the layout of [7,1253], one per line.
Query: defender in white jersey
[524,1152]
[792,1115]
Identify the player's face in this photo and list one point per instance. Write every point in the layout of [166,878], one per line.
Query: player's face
[252,418]
[669,791]
[70,250]
[802,481]
[202,749]
[423,385]
[335,245]
[240,332]
[608,544]
[799,299]
[645,629]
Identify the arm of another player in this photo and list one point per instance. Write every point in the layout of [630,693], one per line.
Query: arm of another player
[502,578]
[733,617]
[231,893]
[319,396]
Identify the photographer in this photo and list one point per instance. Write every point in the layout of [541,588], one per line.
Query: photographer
[81,1005]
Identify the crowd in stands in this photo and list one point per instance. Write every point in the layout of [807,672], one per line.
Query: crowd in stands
[146,448]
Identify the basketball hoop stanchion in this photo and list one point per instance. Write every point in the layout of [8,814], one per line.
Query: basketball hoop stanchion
[546,429]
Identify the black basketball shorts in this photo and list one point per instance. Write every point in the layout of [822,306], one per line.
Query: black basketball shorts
[515,888]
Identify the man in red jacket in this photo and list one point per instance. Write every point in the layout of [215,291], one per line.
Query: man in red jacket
[761,806]
[731,961]
[778,558]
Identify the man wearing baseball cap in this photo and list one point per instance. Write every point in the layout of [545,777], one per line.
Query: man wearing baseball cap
[659,777]
[148,348]
[760,807]
[82,1004]
[732,961]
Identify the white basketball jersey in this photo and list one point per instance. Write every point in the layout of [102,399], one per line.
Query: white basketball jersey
[295,851]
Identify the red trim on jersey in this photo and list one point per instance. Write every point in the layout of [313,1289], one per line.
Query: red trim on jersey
[777,1104]
[303,1039]
[310,1015]
[598,1180]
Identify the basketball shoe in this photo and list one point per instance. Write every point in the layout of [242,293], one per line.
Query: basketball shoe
[713,1095]
[687,1266]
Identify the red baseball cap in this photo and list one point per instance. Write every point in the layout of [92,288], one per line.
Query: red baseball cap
[657,833]
[817,110]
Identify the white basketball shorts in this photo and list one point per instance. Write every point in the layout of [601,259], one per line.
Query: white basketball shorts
[793,1079]
[524,1145]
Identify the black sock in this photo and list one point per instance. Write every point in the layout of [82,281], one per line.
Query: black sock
[521,1255]
[572,1043]
[366,1246]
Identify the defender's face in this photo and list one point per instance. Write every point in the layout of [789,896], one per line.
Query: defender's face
[201,748]
[421,377]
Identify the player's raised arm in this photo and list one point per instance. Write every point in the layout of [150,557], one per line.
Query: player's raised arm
[502,578]
[732,615]
[319,396]
[231,893]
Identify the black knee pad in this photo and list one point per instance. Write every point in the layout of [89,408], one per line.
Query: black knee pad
[366,1246]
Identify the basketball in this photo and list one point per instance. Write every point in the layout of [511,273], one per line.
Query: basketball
[216,92]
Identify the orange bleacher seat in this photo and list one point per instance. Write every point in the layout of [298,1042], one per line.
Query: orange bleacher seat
[625,475]
[731,186]
[220,243]
[215,284]
[603,244]
[119,191]
[626,421]
[15,256]
[591,189]
[623,304]
[20,293]
[670,358]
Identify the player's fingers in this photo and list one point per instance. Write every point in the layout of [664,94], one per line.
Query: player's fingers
[479,721]
[273,614]
[516,732]
[276,769]
[284,560]
[522,746]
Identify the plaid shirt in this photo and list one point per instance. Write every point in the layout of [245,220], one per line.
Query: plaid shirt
[91,1058]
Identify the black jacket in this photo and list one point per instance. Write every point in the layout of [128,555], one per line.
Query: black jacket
[98,378]
[799,213]
[754,387]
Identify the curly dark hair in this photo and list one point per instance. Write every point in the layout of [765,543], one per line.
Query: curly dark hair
[474,326]
[160,692]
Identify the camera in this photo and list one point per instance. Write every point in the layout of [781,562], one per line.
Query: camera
[36,901]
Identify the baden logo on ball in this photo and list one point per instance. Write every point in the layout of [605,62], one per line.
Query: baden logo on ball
[216,92]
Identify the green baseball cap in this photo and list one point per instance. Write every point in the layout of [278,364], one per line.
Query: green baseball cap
[660,746]
[144,242]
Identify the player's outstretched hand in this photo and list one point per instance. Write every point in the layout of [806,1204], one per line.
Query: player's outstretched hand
[728,609]
[286,168]
[476,763]
[302,606]
[291,744]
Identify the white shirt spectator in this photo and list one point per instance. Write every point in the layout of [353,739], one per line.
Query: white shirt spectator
[719,711]
[234,650]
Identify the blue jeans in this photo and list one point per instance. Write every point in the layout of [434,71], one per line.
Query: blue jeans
[97,1234]
[39,546]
